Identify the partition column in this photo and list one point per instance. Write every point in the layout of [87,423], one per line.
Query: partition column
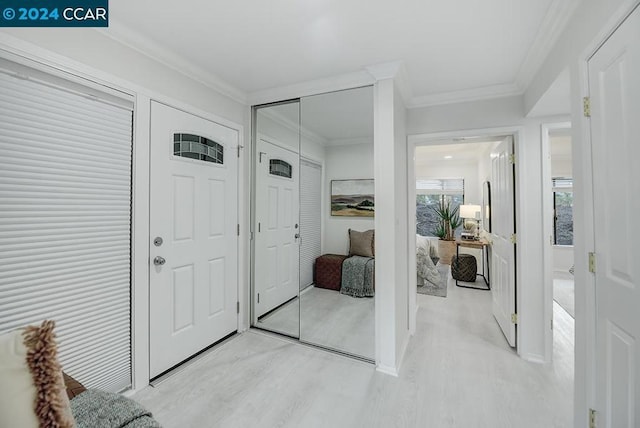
[392,329]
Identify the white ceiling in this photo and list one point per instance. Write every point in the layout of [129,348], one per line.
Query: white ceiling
[450,49]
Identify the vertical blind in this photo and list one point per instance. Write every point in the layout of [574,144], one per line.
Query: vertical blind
[65,221]
[310,218]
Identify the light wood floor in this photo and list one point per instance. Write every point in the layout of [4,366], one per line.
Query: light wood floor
[458,372]
[328,318]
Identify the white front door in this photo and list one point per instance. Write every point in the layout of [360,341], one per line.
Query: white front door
[503,278]
[277,229]
[194,215]
[614,85]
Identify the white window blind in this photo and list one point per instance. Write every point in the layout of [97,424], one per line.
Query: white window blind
[562,184]
[440,186]
[65,221]
[310,219]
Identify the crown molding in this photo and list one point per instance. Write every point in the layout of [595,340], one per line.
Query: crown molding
[476,94]
[553,24]
[144,45]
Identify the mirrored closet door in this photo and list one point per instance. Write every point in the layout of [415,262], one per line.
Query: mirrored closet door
[337,260]
[313,221]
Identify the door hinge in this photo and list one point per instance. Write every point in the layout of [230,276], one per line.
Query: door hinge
[237,307]
[514,238]
[586,106]
[512,159]
[238,229]
[239,147]
[592,418]
[514,318]
[551,323]
[592,262]
[258,297]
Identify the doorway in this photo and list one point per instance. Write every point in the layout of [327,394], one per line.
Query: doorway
[475,173]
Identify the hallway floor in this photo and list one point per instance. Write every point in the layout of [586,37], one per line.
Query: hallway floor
[458,372]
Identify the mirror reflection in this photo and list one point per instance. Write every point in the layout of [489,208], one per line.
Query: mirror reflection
[337,222]
[276,282]
[314,206]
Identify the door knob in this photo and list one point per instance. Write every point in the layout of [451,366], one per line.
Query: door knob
[159,261]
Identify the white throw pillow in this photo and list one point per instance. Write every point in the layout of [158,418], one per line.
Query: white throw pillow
[18,393]
[32,392]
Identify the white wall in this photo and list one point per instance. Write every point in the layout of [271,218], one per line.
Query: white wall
[344,163]
[403,303]
[562,259]
[561,167]
[472,115]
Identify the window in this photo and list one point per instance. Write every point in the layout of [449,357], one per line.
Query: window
[196,147]
[563,211]
[430,193]
[280,168]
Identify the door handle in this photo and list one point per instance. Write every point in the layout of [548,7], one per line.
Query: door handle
[159,261]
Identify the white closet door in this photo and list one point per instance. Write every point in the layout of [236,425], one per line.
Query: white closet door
[310,219]
[65,222]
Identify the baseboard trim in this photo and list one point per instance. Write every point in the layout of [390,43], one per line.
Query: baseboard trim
[391,371]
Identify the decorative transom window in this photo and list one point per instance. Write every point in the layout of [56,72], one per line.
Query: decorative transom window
[195,147]
[280,168]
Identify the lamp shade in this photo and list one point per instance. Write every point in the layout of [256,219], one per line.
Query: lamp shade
[469,211]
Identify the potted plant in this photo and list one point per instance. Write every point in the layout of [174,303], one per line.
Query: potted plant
[449,221]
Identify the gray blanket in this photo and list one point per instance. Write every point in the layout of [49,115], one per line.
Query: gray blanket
[357,276]
[99,409]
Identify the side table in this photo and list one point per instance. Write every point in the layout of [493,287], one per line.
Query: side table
[482,245]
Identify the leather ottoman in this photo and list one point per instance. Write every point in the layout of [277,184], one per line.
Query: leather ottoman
[328,271]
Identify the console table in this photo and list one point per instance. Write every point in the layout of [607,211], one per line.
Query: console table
[480,244]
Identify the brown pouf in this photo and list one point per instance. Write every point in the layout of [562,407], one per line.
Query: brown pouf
[328,271]
[464,267]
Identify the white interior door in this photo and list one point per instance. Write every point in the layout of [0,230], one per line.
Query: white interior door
[614,86]
[277,230]
[194,188]
[503,259]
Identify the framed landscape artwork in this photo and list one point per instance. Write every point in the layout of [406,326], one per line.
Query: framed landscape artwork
[352,198]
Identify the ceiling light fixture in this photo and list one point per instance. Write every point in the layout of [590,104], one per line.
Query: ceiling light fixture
[448,157]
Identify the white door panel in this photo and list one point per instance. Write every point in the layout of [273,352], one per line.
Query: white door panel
[194,211]
[503,281]
[615,108]
[277,243]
